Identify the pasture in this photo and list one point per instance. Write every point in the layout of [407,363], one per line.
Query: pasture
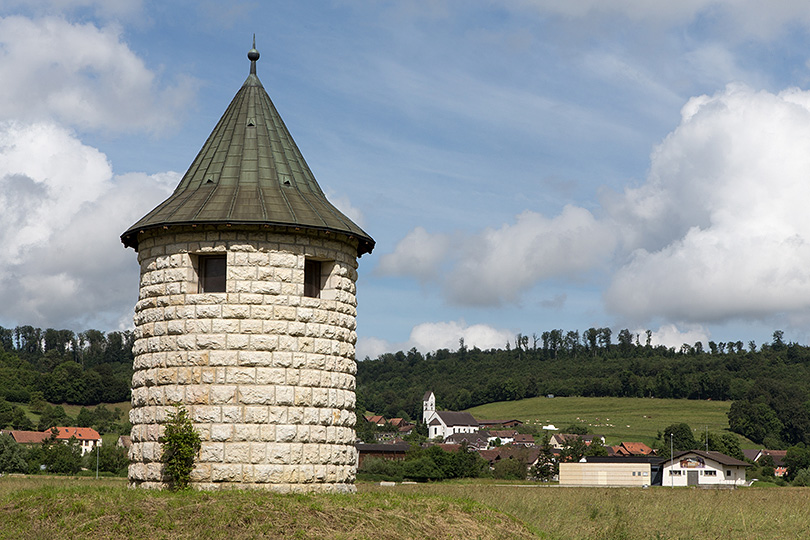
[618,419]
[61,508]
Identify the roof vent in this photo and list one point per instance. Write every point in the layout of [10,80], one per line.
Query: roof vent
[251,122]
[209,181]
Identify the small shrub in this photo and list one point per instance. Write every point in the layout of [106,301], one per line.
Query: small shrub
[510,469]
[802,478]
[180,446]
[376,469]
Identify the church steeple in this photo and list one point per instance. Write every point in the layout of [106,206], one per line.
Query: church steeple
[250,172]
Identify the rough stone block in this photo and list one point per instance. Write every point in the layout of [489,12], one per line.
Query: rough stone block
[256,358]
[221,432]
[219,395]
[212,452]
[221,472]
[237,452]
[256,395]
[205,414]
[286,433]
[255,414]
[232,413]
[240,375]
[272,376]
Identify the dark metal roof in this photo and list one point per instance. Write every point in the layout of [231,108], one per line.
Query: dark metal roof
[455,418]
[712,454]
[249,172]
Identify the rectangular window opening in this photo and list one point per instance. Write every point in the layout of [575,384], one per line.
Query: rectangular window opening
[312,278]
[212,271]
[320,278]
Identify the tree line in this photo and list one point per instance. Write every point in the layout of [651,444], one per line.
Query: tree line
[769,384]
[84,368]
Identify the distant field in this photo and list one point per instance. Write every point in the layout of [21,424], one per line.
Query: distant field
[618,419]
[73,410]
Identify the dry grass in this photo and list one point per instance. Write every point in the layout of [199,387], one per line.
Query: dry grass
[71,508]
[61,508]
[640,514]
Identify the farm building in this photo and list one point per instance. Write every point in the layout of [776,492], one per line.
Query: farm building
[612,471]
[688,468]
[701,468]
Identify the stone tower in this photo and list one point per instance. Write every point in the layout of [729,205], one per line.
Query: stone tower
[246,313]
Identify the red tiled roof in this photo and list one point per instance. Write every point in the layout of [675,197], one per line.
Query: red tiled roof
[29,437]
[503,433]
[81,433]
[637,448]
[449,447]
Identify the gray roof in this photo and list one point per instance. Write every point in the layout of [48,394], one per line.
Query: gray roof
[380,447]
[714,455]
[249,172]
[453,418]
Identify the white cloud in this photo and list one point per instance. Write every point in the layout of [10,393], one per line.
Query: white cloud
[83,76]
[61,213]
[345,205]
[430,336]
[670,335]
[500,265]
[46,174]
[720,230]
[420,254]
[446,335]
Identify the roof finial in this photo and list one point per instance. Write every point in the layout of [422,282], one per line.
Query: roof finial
[253,55]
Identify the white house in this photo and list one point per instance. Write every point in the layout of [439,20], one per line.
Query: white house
[559,441]
[701,468]
[446,423]
[87,438]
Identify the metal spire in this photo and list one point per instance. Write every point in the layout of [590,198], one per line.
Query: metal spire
[253,55]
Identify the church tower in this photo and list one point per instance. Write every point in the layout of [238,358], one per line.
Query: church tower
[246,313]
[428,407]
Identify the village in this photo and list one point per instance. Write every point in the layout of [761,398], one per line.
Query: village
[625,464]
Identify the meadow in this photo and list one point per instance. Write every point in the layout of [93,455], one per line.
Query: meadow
[618,419]
[57,508]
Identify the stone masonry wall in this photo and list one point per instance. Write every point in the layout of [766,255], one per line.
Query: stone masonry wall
[266,374]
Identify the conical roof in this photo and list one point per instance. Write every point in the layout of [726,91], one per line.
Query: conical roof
[249,172]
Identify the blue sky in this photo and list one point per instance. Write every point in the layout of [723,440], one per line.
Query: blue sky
[522,166]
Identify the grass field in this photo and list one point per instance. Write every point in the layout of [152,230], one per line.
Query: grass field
[76,508]
[62,508]
[618,419]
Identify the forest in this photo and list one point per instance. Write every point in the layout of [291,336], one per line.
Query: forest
[768,384]
[62,366]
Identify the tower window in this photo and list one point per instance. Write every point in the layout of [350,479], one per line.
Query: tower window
[212,272]
[312,278]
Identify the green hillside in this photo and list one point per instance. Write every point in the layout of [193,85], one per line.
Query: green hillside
[618,419]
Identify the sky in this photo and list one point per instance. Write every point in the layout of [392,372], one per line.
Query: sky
[522,166]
